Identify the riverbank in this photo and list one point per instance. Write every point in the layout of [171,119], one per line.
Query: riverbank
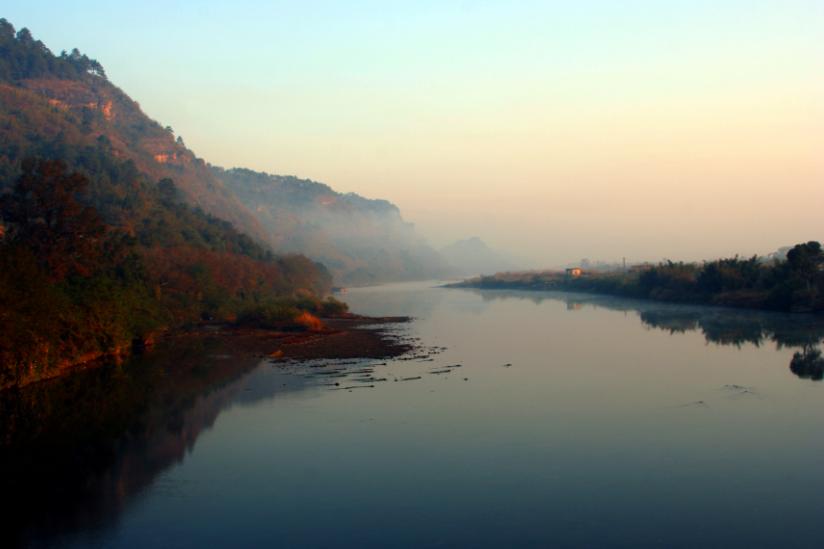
[742,284]
[69,445]
[351,336]
[614,286]
[347,336]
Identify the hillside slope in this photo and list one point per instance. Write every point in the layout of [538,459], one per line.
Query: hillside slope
[361,241]
[48,102]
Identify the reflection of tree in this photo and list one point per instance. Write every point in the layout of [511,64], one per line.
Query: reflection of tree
[737,328]
[808,364]
[721,328]
[678,323]
[717,325]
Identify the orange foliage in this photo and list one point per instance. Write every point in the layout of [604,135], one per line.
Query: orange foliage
[310,322]
[183,269]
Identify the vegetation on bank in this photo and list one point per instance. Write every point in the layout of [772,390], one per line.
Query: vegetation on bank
[794,284]
[300,312]
[74,286]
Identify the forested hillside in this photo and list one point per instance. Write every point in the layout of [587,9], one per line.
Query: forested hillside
[109,229]
[361,241]
[51,106]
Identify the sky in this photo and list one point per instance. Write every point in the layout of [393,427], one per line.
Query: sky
[555,131]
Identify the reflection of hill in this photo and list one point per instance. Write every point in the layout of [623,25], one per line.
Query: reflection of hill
[75,451]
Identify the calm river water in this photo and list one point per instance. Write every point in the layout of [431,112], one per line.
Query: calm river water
[572,421]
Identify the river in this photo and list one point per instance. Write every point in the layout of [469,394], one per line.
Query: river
[537,419]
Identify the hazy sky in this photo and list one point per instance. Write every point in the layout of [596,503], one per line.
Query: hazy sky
[556,130]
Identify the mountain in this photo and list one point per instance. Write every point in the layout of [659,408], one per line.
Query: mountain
[64,106]
[361,241]
[52,105]
[472,256]
[110,229]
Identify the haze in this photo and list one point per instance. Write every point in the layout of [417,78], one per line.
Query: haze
[686,130]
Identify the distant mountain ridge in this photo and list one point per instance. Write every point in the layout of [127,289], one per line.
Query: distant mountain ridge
[360,240]
[472,256]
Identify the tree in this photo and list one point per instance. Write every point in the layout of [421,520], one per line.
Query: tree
[168,192]
[43,214]
[6,31]
[806,259]
[24,36]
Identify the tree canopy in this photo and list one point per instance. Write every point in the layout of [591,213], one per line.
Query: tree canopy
[21,56]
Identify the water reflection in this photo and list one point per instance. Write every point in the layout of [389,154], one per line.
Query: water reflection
[400,299]
[75,451]
[718,325]
[808,364]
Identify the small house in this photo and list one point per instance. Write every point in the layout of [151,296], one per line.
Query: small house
[574,272]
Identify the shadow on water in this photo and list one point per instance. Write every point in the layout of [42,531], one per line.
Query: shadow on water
[74,452]
[718,325]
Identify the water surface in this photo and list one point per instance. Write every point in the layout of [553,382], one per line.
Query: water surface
[572,421]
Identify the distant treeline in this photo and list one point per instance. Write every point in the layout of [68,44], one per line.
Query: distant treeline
[795,284]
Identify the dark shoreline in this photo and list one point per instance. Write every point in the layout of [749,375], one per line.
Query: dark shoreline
[351,336]
[345,337]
